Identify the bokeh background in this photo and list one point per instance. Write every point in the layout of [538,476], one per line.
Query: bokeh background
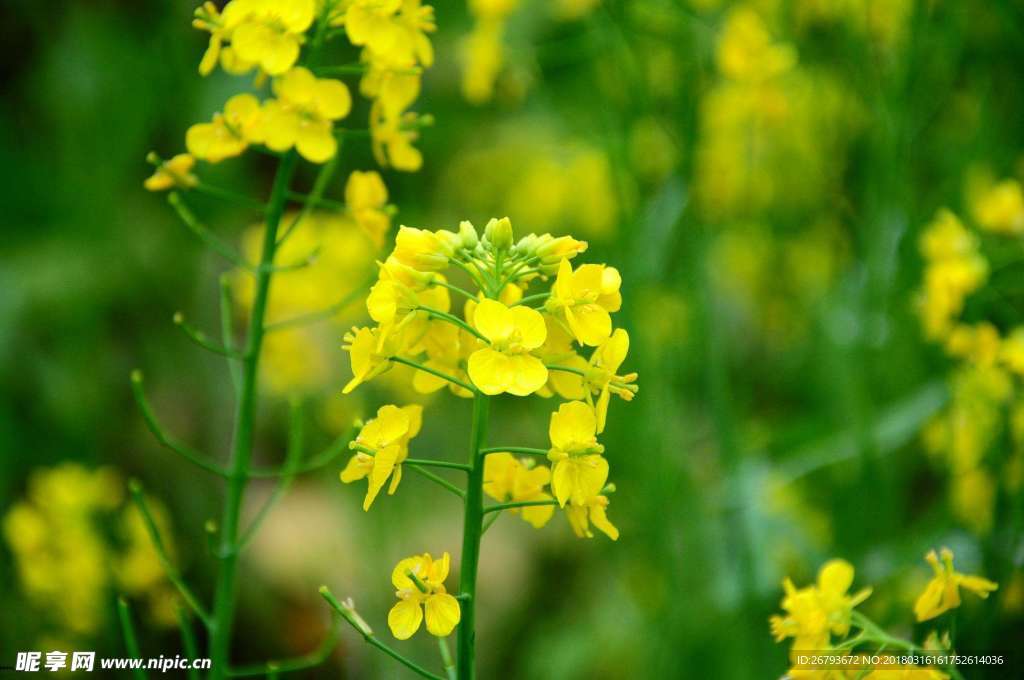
[760,172]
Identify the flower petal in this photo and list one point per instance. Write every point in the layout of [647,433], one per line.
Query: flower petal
[405,617]
[443,614]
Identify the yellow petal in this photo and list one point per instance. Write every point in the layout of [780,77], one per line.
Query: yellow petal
[530,324]
[573,423]
[490,371]
[538,515]
[438,571]
[383,465]
[358,467]
[599,517]
[332,98]
[835,577]
[297,86]
[404,618]
[494,320]
[528,374]
[590,323]
[927,604]
[443,614]
[315,141]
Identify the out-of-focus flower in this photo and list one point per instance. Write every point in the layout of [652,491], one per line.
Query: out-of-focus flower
[508,479]
[419,584]
[230,133]
[943,591]
[366,198]
[303,114]
[176,172]
[815,612]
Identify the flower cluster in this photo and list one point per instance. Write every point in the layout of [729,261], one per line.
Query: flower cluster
[509,338]
[820,617]
[74,542]
[984,383]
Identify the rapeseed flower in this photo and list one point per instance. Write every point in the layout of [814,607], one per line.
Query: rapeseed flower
[508,479]
[419,584]
[176,172]
[579,470]
[270,33]
[594,510]
[943,591]
[303,114]
[816,611]
[601,375]
[366,198]
[507,365]
[230,133]
[382,445]
[584,299]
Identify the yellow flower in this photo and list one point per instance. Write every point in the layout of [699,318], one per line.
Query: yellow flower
[812,613]
[372,23]
[177,172]
[746,50]
[1011,353]
[507,366]
[593,511]
[220,26]
[304,113]
[383,444]
[601,376]
[424,250]
[448,348]
[584,298]
[579,470]
[230,133]
[392,136]
[557,350]
[370,351]
[366,197]
[419,582]
[943,592]
[954,270]
[1000,208]
[507,479]
[395,298]
[270,32]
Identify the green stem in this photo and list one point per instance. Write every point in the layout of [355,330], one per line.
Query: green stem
[131,642]
[349,615]
[439,374]
[241,454]
[323,177]
[438,480]
[183,450]
[458,289]
[514,449]
[228,195]
[322,459]
[534,298]
[471,531]
[489,521]
[516,504]
[436,463]
[446,659]
[452,319]
[227,330]
[173,575]
[314,658]
[205,235]
[568,369]
[188,641]
[199,337]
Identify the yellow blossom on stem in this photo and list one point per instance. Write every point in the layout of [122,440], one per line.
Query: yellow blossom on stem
[943,592]
[448,348]
[507,479]
[370,351]
[382,445]
[507,365]
[999,208]
[593,511]
[230,133]
[813,612]
[424,250]
[601,374]
[271,32]
[303,114]
[366,198]
[584,298]
[176,172]
[419,584]
[392,136]
[580,470]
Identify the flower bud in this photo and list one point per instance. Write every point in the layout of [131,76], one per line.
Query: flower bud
[499,233]
[467,235]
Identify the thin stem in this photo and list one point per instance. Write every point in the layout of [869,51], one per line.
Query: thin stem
[446,659]
[323,314]
[514,449]
[439,480]
[451,318]
[314,658]
[296,446]
[227,330]
[323,202]
[474,275]
[322,459]
[516,504]
[131,642]
[472,529]
[439,374]
[568,369]
[165,439]
[173,575]
[458,289]
[295,266]
[205,235]
[538,297]
[228,195]
[323,177]
[436,463]
[241,454]
[199,337]
[349,614]
[188,640]
[488,521]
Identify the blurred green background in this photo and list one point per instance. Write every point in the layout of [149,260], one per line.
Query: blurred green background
[759,172]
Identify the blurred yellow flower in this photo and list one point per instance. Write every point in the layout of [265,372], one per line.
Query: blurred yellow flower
[382,445]
[954,269]
[176,172]
[507,479]
[580,471]
[419,584]
[392,136]
[366,198]
[746,50]
[943,592]
[269,33]
[304,113]
[816,611]
[998,207]
[230,133]
[507,365]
